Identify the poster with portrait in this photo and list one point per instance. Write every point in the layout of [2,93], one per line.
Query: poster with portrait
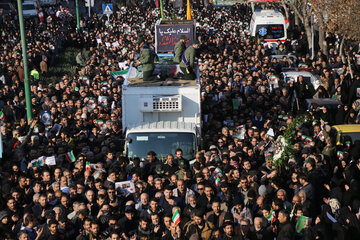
[125,187]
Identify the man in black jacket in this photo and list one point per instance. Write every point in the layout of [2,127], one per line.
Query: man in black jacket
[286,230]
[229,232]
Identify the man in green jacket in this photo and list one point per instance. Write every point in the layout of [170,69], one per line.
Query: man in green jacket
[179,49]
[147,58]
[187,61]
[80,59]
[35,74]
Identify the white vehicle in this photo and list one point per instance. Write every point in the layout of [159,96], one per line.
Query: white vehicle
[29,9]
[160,117]
[256,4]
[269,25]
[307,76]
[6,8]
[48,2]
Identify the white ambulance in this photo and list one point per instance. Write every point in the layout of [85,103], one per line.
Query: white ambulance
[269,25]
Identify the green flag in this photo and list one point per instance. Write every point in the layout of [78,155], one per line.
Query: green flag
[300,224]
[122,73]
[235,103]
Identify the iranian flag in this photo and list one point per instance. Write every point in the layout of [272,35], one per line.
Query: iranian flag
[269,137]
[218,172]
[2,116]
[306,138]
[347,143]
[16,143]
[70,156]
[321,135]
[271,217]
[217,182]
[87,166]
[340,154]
[176,217]
[99,122]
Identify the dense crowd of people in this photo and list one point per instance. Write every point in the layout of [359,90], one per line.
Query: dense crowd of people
[59,169]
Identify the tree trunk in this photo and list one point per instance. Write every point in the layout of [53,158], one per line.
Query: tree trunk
[322,41]
[307,27]
[341,50]
[349,65]
[286,9]
[297,20]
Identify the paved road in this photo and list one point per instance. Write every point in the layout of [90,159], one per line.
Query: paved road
[83,11]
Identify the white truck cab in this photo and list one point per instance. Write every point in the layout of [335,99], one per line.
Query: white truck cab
[269,25]
[160,116]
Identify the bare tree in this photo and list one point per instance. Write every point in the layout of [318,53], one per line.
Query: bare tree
[302,10]
[319,9]
[341,17]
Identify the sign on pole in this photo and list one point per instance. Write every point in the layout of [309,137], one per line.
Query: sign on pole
[107,9]
[89,3]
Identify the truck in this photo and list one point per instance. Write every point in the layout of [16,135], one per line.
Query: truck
[261,4]
[269,25]
[48,2]
[161,116]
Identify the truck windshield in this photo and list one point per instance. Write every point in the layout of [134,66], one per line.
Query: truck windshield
[270,31]
[353,135]
[29,7]
[162,144]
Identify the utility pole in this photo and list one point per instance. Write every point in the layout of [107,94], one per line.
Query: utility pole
[77,14]
[24,55]
[312,37]
[89,4]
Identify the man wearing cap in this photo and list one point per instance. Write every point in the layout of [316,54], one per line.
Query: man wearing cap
[179,49]
[182,171]
[188,60]
[147,59]
[128,222]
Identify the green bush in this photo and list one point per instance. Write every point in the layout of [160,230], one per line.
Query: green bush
[64,64]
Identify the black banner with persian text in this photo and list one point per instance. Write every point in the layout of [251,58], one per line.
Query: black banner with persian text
[167,35]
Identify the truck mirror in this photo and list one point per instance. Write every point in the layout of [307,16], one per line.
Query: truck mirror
[128,140]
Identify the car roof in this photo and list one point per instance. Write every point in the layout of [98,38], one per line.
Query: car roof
[281,56]
[346,128]
[297,73]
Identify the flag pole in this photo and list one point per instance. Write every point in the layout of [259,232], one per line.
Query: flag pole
[161,10]
[188,11]
[24,57]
